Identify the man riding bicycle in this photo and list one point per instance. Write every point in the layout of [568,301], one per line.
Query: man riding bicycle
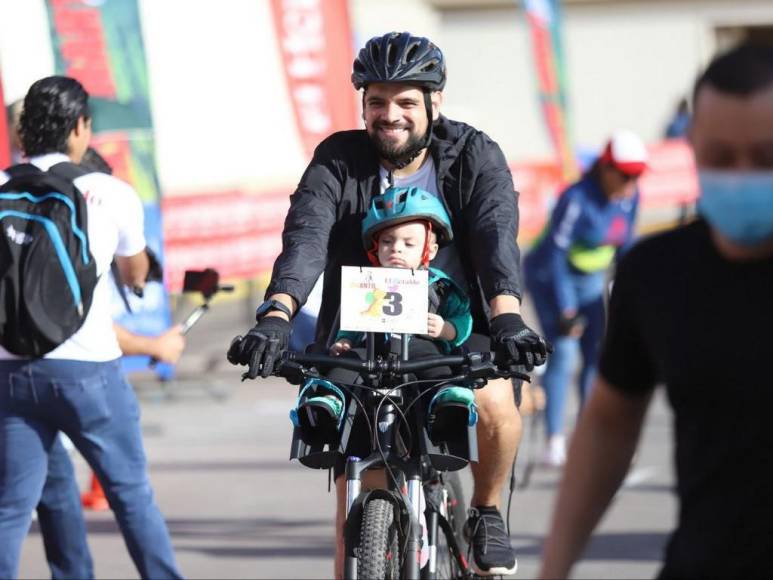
[407,143]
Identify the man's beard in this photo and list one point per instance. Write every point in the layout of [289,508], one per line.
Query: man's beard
[393,152]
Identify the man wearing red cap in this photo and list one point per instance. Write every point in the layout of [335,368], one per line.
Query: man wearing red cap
[565,271]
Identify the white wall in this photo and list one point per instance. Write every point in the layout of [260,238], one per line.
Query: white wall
[490,80]
[376,17]
[25,46]
[220,105]
[628,63]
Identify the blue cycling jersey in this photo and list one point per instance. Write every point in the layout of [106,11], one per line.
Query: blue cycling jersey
[585,233]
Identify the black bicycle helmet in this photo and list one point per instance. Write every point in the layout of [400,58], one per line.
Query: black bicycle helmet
[399,57]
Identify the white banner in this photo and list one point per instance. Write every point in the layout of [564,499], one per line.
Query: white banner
[394,300]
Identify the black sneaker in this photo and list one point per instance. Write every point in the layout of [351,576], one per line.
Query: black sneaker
[492,554]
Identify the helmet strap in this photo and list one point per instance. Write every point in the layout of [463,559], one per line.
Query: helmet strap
[373,252]
[428,108]
[425,252]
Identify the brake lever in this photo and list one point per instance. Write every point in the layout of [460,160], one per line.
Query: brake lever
[293,372]
[480,367]
[512,373]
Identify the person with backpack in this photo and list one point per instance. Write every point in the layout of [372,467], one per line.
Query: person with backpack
[61,226]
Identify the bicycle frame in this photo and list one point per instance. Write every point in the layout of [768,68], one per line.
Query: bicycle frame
[386,382]
[385,427]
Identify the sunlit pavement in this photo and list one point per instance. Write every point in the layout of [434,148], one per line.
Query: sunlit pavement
[238,508]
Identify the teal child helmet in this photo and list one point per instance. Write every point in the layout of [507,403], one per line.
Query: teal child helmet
[404,204]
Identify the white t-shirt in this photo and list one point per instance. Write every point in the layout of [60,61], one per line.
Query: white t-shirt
[115,217]
[425,178]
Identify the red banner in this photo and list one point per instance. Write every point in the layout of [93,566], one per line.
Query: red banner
[82,47]
[671,179]
[315,41]
[538,185]
[238,234]
[5,138]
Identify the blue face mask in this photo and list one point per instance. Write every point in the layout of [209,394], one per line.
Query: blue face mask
[739,205]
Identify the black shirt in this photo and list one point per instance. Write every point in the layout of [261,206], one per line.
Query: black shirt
[683,316]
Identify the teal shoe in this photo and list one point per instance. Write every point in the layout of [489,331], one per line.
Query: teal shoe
[319,412]
[450,411]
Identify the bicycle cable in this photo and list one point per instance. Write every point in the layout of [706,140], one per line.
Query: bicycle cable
[510,494]
[404,419]
[349,387]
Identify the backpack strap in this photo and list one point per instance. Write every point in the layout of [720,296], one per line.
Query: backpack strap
[437,294]
[21,169]
[119,285]
[68,170]
[64,169]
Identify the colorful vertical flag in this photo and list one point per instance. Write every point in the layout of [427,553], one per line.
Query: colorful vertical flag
[544,17]
[100,44]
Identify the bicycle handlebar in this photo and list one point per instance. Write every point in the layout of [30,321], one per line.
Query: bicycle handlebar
[479,365]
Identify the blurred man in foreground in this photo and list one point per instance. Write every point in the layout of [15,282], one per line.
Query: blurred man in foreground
[691,309]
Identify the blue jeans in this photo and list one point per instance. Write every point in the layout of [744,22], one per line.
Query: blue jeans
[561,364]
[60,518]
[94,405]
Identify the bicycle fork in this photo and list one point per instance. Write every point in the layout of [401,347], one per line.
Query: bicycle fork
[413,546]
[353,489]
[437,517]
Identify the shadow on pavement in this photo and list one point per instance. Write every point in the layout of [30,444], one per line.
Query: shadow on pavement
[642,546]
[637,487]
[224,465]
[298,550]
[231,528]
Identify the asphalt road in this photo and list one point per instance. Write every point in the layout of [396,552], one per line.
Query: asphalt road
[238,508]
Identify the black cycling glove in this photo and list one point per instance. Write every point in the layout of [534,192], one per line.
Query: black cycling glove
[516,343]
[261,346]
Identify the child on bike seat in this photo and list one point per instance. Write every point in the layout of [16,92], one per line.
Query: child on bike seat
[403,228]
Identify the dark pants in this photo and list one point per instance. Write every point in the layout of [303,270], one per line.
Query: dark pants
[567,349]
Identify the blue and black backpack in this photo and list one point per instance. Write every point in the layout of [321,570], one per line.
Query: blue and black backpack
[47,272]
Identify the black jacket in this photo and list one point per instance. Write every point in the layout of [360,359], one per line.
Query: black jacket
[322,228]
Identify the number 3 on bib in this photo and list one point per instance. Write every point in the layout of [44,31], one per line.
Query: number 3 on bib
[394,300]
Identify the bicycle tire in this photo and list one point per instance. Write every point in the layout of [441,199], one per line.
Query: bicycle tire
[447,565]
[380,542]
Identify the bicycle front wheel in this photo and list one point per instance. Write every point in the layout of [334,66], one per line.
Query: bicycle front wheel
[379,555]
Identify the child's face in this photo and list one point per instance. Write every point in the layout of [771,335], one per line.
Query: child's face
[401,246]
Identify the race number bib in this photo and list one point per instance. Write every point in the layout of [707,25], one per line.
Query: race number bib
[392,300]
